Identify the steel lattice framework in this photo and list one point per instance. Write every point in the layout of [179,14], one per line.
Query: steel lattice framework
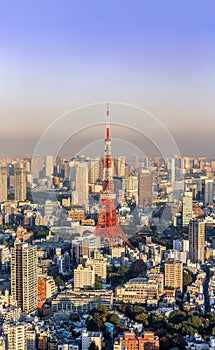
[108,226]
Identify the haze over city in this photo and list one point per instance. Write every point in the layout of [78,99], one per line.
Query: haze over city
[156,55]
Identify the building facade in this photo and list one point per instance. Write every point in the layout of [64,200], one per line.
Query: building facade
[197,241]
[24,276]
[173,274]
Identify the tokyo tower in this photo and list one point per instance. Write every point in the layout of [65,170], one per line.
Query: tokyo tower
[108,226]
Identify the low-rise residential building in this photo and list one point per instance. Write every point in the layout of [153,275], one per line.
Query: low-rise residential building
[131,341]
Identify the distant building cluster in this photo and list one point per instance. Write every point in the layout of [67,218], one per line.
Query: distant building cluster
[61,288]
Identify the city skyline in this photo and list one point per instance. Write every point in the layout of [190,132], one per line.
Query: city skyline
[56,57]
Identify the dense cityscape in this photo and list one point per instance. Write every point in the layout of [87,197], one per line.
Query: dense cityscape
[107,254]
[107,175]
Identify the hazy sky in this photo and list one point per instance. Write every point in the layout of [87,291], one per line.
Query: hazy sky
[156,54]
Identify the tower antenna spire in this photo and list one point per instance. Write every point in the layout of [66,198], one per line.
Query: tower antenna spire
[108,225]
[108,123]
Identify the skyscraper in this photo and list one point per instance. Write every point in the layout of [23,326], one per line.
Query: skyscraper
[208,191]
[49,164]
[145,188]
[173,171]
[81,185]
[187,207]
[3,184]
[24,276]
[37,165]
[196,241]
[119,164]
[20,182]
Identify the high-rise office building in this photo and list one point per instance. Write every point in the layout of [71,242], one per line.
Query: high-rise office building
[49,165]
[208,191]
[173,274]
[24,276]
[173,171]
[4,257]
[145,188]
[81,185]
[119,166]
[136,162]
[37,165]
[3,184]
[95,170]
[187,207]
[20,182]
[196,241]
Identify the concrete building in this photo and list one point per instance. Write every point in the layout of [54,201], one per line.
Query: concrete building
[196,241]
[3,184]
[208,191]
[159,277]
[131,341]
[173,274]
[100,267]
[31,339]
[81,301]
[84,277]
[76,214]
[15,335]
[4,257]
[19,182]
[119,166]
[3,342]
[130,187]
[49,164]
[95,170]
[145,188]
[24,276]
[37,164]
[81,185]
[89,337]
[138,290]
[46,288]
[187,207]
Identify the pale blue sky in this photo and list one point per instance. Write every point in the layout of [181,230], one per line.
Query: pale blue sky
[57,55]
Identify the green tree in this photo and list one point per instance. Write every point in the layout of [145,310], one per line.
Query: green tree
[98,285]
[93,346]
[195,322]
[59,281]
[187,278]
[142,317]
[101,309]
[115,319]
[177,317]
[95,323]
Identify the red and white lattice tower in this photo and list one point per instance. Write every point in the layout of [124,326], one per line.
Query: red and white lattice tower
[108,226]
